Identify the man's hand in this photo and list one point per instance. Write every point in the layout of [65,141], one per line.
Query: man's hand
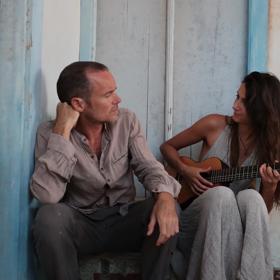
[164,214]
[66,119]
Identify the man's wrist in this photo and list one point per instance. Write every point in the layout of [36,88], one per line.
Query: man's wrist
[268,189]
[63,131]
[164,196]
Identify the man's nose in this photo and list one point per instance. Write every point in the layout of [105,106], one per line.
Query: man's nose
[117,99]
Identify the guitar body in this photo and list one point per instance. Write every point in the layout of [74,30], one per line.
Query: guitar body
[186,193]
[220,174]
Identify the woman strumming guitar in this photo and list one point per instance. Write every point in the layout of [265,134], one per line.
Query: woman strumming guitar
[224,231]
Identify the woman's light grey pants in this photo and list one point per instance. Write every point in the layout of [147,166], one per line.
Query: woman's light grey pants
[224,237]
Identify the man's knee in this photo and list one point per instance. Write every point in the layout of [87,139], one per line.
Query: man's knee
[52,219]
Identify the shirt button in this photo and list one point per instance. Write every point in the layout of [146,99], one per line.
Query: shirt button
[108,180]
[92,157]
[102,169]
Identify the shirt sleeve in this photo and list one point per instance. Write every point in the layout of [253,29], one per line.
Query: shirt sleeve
[149,171]
[54,164]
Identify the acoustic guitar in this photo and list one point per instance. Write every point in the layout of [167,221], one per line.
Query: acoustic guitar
[220,174]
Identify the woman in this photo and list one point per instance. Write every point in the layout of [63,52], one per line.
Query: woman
[224,231]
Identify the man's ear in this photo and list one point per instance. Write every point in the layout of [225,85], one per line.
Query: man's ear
[78,104]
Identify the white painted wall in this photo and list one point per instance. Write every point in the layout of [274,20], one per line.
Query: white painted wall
[274,67]
[274,38]
[60,45]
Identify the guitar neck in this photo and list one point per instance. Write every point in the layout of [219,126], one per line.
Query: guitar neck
[238,173]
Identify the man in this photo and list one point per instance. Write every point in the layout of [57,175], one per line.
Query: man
[83,176]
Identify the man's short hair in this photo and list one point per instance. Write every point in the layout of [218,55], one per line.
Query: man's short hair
[73,81]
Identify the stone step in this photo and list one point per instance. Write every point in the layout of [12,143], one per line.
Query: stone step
[112,267]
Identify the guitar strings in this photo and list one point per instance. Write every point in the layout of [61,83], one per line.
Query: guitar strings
[231,174]
[237,173]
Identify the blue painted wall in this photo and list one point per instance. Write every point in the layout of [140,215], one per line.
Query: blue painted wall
[87,29]
[257,35]
[20,112]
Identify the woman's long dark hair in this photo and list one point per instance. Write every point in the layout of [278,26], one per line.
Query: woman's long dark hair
[262,102]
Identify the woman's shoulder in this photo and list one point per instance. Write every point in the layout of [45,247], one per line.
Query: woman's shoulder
[214,125]
[214,122]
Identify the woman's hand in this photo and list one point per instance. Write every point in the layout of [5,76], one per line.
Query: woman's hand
[193,177]
[270,177]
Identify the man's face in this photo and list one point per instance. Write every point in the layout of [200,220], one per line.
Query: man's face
[102,105]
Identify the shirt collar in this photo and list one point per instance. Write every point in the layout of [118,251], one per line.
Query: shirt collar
[83,138]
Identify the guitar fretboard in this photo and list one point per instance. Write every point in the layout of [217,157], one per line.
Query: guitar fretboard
[238,173]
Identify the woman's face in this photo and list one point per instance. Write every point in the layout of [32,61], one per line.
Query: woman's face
[239,110]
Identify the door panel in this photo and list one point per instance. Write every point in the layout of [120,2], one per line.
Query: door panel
[209,58]
[131,41]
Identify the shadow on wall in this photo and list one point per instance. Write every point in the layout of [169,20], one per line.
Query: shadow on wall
[39,113]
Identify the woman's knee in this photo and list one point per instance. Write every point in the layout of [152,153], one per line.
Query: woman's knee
[218,197]
[250,199]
